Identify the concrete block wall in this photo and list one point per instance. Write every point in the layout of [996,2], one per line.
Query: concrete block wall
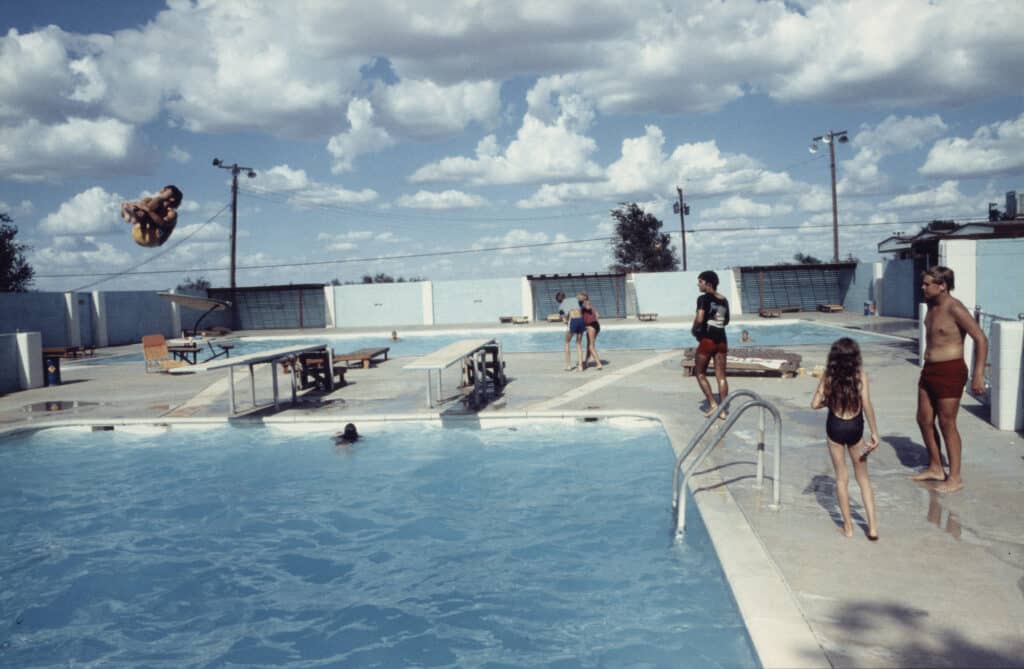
[21,361]
[861,287]
[480,301]
[382,304]
[899,289]
[45,313]
[675,293]
[999,276]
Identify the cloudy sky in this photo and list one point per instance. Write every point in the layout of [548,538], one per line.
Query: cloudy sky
[476,138]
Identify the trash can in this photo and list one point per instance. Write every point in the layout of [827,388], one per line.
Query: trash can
[51,365]
[869,308]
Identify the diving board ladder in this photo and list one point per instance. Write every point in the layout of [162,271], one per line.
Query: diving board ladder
[754,401]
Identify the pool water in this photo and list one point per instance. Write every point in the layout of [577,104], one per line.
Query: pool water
[547,544]
[539,341]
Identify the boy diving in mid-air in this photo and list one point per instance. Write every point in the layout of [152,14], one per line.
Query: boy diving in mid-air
[153,218]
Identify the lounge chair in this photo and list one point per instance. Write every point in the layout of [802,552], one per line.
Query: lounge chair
[830,308]
[156,355]
[775,312]
[520,320]
[505,319]
[650,316]
[365,356]
[554,318]
[751,361]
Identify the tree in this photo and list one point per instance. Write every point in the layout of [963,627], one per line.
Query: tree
[806,259]
[199,283]
[639,245]
[15,272]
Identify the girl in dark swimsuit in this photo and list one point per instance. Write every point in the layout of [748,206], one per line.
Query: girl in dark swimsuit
[844,391]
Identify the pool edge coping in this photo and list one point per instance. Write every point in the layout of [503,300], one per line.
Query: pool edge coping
[779,631]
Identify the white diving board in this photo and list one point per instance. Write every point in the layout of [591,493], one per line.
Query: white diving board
[443,358]
[272,356]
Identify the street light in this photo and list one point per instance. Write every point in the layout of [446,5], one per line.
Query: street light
[838,136]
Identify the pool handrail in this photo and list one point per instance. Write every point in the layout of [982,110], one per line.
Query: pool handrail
[711,420]
[729,422]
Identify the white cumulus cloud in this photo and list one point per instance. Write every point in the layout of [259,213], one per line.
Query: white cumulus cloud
[93,211]
[993,149]
[449,199]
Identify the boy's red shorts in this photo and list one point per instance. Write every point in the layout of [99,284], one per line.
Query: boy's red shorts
[711,347]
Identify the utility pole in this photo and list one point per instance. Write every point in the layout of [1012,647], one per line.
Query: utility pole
[682,209]
[831,138]
[251,173]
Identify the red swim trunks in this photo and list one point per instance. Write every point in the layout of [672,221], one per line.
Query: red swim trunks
[944,379]
[710,347]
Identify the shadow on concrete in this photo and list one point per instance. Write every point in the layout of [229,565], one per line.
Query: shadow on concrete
[824,489]
[910,453]
[728,482]
[922,643]
[979,411]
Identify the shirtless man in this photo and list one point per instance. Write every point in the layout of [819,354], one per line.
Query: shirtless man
[945,374]
[153,218]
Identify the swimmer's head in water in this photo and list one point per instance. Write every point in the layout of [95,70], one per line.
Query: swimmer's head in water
[348,435]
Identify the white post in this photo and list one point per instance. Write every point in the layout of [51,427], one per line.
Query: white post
[74,327]
[176,329]
[428,302]
[329,303]
[100,332]
[526,297]
[30,359]
[878,271]
[1007,390]
[735,302]
[961,256]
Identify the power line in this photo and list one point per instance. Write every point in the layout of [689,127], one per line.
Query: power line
[432,254]
[140,264]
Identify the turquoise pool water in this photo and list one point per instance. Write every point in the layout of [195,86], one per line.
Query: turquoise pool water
[549,339]
[537,545]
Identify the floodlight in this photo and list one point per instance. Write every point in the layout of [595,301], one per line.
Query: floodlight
[252,174]
[217,162]
[813,148]
[843,139]
[827,138]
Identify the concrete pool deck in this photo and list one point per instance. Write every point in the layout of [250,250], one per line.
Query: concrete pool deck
[943,587]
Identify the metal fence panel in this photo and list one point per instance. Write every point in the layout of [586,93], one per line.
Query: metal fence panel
[804,286]
[277,307]
[607,292]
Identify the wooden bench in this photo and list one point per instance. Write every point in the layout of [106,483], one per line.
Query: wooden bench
[647,316]
[366,356]
[830,308]
[749,362]
[312,371]
[477,369]
[554,318]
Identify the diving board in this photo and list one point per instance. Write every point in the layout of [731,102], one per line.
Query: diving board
[473,351]
[273,356]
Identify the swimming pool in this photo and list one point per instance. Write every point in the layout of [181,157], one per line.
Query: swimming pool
[536,340]
[525,545]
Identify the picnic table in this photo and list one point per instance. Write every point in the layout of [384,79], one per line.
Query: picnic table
[474,353]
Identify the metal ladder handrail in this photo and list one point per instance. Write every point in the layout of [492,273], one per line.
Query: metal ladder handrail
[711,420]
[729,422]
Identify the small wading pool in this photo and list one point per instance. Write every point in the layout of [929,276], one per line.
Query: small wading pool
[535,544]
[533,340]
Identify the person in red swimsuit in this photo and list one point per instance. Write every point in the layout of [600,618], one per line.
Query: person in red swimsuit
[944,375]
[709,329]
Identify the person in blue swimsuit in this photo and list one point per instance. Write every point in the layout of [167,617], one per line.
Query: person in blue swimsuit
[843,389]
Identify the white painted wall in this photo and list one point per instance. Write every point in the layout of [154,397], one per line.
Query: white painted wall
[1007,386]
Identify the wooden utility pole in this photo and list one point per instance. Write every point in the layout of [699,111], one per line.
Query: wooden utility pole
[681,206]
[251,173]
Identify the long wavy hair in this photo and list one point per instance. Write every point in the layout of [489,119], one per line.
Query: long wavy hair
[842,386]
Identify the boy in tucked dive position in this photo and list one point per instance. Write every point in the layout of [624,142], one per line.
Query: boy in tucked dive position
[153,218]
[944,374]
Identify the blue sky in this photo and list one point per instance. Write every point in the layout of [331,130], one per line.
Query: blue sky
[414,129]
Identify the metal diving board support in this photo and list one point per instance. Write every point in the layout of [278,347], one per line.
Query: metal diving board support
[679,488]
